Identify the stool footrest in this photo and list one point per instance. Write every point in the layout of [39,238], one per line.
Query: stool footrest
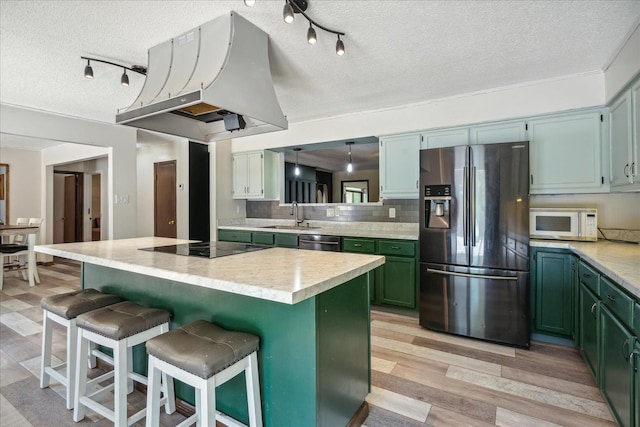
[52,371]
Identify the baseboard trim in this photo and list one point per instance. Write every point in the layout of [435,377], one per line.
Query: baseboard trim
[360,416]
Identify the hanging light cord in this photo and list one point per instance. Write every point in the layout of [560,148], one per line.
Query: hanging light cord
[295,6]
[135,68]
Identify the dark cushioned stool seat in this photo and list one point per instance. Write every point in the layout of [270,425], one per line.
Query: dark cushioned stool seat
[72,304]
[122,320]
[12,248]
[202,348]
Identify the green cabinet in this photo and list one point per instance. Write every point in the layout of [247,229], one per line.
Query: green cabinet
[260,238]
[589,312]
[399,166]
[617,375]
[393,283]
[554,292]
[636,356]
[565,154]
[283,240]
[240,236]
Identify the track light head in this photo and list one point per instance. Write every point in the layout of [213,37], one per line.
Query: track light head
[339,47]
[311,35]
[287,12]
[124,80]
[88,71]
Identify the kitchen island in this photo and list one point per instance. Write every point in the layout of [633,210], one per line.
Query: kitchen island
[310,310]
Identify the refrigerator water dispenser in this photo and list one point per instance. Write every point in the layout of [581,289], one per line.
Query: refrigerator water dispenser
[437,203]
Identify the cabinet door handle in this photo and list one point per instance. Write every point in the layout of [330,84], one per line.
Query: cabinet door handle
[593,307]
[395,247]
[357,245]
[586,275]
[611,298]
[625,350]
[626,169]
[417,185]
[635,353]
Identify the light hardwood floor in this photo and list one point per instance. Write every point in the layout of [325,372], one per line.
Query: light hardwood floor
[419,377]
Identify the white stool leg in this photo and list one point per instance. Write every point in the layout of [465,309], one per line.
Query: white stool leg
[199,420]
[35,273]
[47,332]
[130,368]
[153,394]
[120,379]
[92,359]
[72,342]
[208,403]
[169,393]
[81,377]
[253,391]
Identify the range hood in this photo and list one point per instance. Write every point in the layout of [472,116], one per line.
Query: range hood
[210,83]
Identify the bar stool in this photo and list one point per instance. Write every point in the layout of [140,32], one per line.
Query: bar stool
[119,326]
[63,309]
[204,356]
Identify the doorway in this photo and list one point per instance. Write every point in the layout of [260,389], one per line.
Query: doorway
[96,207]
[164,192]
[68,188]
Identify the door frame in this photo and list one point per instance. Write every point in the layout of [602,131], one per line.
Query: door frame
[79,203]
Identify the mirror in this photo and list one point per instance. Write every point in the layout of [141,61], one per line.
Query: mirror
[4,193]
[322,168]
[355,191]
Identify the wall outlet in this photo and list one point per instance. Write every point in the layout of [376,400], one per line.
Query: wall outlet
[331,212]
[337,211]
[392,212]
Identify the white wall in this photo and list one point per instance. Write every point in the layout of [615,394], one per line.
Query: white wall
[225,206]
[624,66]
[147,155]
[120,139]
[568,93]
[24,183]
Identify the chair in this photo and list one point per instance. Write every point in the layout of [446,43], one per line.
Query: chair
[31,222]
[10,250]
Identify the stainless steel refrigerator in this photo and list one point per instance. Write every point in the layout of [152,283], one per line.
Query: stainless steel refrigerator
[474,241]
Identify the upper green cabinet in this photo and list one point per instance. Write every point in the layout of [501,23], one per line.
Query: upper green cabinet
[255,175]
[399,166]
[624,131]
[554,287]
[565,154]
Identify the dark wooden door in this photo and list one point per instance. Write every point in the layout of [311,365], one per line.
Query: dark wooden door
[164,190]
[69,209]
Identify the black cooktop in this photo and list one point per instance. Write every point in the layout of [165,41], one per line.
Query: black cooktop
[206,249]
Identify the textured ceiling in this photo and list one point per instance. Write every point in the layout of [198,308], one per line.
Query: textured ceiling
[397,52]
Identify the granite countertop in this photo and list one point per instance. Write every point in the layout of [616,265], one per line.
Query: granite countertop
[276,274]
[619,261]
[380,230]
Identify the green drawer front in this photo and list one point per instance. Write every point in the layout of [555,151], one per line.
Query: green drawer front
[287,240]
[617,301]
[589,277]
[396,248]
[234,236]
[359,245]
[263,238]
[636,327]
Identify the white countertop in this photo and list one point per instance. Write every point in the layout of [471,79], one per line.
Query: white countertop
[619,261]
[276,274]
[380,230]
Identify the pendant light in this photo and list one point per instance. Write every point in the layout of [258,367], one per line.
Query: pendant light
[339,47]
[350,164]
[249,3]
[88,71]
[124,80]
[311,35]
[297,169]
[287,12]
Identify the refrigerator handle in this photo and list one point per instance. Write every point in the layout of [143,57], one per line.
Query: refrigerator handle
[472,220]
[474,276]
[464,204]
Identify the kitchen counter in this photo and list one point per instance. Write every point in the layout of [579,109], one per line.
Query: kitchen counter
[379,230]
[619,261]
[310,310]
[281,275]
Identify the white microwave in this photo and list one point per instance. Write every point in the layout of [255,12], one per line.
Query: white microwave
[563,223]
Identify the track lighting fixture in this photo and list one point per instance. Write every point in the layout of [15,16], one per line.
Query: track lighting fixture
[124,80]
[299,6]
[350,164]
[297,169]
[88,71]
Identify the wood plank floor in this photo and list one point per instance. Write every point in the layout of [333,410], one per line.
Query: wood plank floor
[419,377]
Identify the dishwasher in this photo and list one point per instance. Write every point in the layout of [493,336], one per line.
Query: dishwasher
[318,242]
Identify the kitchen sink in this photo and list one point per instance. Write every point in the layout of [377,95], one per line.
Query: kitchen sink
[290,227]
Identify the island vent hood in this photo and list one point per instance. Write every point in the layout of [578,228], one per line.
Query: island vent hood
[210,83]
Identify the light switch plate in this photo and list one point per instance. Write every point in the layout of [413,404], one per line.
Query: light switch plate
[331,212]
[392,212]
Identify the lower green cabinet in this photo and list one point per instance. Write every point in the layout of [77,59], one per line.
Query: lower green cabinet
[617,373]
[398,282]
[554,289]
[234,236]
[283,240]
[589,310]
[260,238]
[636,356]
[393,283]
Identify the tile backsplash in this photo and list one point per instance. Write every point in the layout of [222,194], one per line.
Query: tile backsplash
[406,210]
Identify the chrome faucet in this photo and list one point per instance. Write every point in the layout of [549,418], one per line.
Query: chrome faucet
[294,212]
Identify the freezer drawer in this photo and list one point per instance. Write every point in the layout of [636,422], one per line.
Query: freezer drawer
[486,304]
